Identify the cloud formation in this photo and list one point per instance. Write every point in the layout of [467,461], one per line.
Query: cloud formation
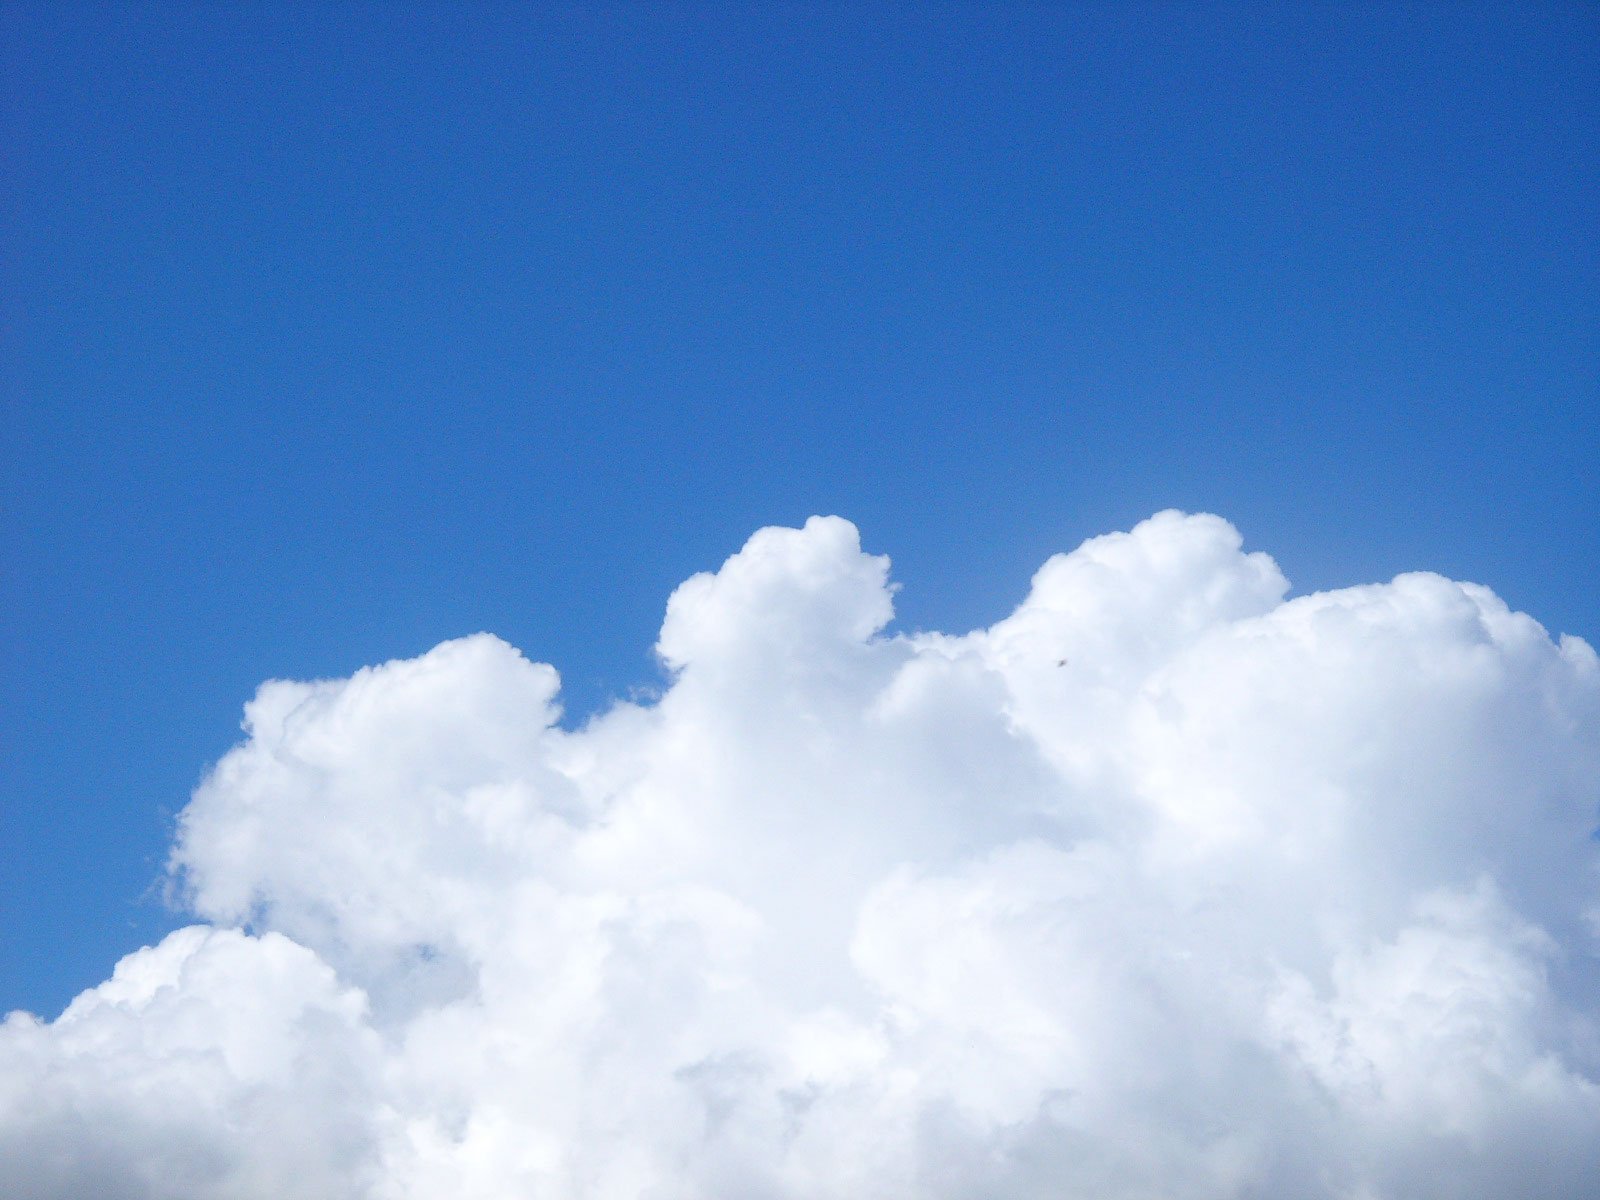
[1162,886]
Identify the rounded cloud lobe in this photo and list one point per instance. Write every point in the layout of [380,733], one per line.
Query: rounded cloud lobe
[1162,886]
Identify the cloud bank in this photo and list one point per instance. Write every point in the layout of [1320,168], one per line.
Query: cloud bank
[1162,886]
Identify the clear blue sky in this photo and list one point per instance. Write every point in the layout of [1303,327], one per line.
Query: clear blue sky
[334,331]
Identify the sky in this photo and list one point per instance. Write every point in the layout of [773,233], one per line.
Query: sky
[335,332]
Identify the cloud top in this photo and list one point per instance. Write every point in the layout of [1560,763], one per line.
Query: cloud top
[1162,885]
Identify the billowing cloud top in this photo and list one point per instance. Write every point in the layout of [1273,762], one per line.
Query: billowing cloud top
[1160,887]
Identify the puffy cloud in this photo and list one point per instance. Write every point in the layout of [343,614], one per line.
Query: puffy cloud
[215,1064]
[1162,886]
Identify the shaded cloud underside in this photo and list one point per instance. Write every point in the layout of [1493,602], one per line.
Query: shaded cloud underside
[1160,887]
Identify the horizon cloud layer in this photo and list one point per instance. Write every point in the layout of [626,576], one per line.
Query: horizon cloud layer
[1162,886]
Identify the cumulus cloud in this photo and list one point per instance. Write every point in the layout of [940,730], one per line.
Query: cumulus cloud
[1162,886]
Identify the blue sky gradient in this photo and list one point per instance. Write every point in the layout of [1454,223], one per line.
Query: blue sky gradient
[334,331]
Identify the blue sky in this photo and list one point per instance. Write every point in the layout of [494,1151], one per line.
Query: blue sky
[332,332]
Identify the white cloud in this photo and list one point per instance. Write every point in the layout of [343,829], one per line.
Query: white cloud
[1162,886]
